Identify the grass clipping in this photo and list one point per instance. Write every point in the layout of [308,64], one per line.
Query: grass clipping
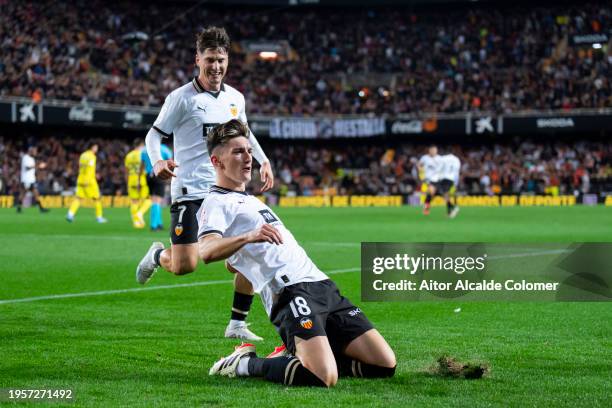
[449,367]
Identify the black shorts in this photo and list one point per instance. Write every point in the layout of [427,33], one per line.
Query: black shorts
[444,186]
[312,309]
[157,187]
[184,228]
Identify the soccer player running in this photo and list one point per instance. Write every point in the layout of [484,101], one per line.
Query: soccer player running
[138,191]
[324,332]
[157,187]
[190,112]
[28,179]
[449,180]
[87,185]
[429,166]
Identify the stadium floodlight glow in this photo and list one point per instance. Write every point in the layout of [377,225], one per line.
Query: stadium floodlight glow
[268,55]
[597,46]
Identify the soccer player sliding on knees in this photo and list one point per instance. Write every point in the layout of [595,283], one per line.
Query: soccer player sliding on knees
[325,334]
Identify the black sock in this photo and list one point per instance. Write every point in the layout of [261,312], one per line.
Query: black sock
[241,306]
[449,206]
[427,198]
[156,256]
[355,368]
[283,370]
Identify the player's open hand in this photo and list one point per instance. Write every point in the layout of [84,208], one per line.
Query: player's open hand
[267,233]
[164,169]
[267,178]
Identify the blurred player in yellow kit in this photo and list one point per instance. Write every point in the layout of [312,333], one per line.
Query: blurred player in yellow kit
[87,185]
[138,190]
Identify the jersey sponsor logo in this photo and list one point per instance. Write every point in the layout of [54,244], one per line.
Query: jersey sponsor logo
[268,216]
[354,312]
[207,127]
[233,110]
[202,108]
[306,323]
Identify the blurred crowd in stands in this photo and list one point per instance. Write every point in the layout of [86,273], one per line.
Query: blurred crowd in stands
[412,60]
[356,168]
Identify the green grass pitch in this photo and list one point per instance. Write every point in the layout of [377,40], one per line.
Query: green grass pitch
[154,347]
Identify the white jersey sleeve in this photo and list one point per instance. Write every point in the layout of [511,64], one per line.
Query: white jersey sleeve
[214,217]
[170,114]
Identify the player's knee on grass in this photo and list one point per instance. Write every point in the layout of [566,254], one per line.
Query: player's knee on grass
[317,357]
[385,359]
[329,377]
[369,355]
[328,373]
[388,361]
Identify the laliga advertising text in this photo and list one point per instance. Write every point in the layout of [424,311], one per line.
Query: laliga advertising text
[413,264]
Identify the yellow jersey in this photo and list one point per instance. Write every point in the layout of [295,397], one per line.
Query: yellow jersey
[87,167]
[132,164]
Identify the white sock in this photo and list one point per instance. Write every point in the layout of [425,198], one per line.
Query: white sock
[243,367]
[237,323]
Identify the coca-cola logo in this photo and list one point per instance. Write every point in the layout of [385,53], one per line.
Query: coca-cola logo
[402,127]
[82,113]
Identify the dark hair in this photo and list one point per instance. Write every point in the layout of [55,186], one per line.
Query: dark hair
[212,37]
[137,142]
[221,134]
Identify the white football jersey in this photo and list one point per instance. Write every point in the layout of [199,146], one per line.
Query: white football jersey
[269,267]
[190,112]
[431,166]
[451,166]
[28,169]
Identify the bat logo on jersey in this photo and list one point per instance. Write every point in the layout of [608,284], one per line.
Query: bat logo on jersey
[268,216]
[233,110]
[306,323]
[178,230]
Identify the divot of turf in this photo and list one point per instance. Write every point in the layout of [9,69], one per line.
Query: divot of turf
[449,367]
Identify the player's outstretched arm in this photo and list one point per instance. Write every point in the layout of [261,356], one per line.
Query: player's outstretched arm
[213,247]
